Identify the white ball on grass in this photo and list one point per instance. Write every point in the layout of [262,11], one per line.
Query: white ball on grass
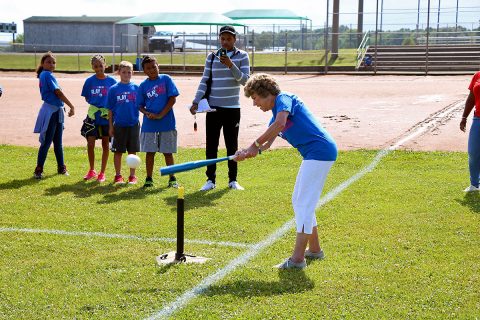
[133,161]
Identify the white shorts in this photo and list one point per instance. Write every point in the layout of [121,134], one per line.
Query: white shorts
[311,178]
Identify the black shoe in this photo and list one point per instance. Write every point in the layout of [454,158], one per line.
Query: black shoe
[38,173]
[172,183]
[148,183]
[63,170]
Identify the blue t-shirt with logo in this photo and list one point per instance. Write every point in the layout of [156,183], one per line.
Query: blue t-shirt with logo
[48,84]
[154,95]
[122,102]
[302,129]
[95,92]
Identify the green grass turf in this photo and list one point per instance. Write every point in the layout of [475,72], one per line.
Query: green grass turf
[402,242]
[82,63]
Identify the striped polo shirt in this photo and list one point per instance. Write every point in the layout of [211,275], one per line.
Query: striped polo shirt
[225,82]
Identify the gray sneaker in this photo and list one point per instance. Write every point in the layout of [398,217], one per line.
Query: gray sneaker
[289,264]
[315,255]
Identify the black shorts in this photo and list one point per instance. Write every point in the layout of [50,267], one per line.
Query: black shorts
[126,139]
[99,132]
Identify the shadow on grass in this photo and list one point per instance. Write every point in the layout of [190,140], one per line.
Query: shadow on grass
[81,189]
[132,194]
[20,183]
[471,200]
[197,199]
[290,281]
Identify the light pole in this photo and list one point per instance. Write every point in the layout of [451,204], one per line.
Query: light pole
[360,23]
[428,38]
[381,21]
[418,15]
[456,18]
[438,17]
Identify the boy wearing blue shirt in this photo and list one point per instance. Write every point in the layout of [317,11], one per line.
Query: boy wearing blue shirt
[123,120]
[156,97]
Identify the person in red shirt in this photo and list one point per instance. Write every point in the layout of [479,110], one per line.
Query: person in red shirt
[473,100]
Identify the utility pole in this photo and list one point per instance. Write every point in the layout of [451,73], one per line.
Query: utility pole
[428,38]
[456,18]
[381,21]
[418,15]
[360,23]
[335,28]
[438,17]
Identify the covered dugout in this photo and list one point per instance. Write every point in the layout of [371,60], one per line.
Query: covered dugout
[266,14]
[270,14]
[182,18]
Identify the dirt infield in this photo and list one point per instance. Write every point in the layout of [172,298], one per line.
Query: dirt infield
[359,111]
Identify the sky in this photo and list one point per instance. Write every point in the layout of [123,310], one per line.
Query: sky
[395,13]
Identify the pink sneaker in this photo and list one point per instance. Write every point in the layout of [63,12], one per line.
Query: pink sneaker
[101,177]
[118,180]
[132,180]
[90,175]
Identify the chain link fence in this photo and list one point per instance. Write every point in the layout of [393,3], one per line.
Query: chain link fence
[313,49]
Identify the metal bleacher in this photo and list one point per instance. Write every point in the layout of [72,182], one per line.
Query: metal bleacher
[441,56]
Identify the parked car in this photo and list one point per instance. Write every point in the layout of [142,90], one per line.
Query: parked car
[165,41]
[178,43]
[161,41]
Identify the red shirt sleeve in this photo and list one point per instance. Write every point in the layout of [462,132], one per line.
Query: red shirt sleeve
[474,80]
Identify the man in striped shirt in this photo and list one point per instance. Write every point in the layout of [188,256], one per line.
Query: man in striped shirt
[229,68]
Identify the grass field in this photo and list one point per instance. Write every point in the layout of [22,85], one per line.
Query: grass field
[401,243]
[82,62]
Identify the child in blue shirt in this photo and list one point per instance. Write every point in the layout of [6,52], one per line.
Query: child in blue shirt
[123,120]
[156,97]
[95,91]
[50,117]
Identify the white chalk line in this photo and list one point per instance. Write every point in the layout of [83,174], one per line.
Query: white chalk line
[124,237]
[183,300]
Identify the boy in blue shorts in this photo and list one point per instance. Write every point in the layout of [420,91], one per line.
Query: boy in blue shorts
[123,120]
[156,96]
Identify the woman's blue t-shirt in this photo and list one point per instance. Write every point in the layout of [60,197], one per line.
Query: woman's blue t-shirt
[302,129]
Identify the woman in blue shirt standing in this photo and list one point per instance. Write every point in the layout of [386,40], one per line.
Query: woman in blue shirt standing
[294,122]
[50,117]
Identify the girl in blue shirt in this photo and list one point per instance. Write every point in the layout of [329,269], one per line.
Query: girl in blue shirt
[294,122]
[50,117]
[95,91]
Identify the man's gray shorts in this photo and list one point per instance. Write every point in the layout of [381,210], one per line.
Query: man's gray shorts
[163,142]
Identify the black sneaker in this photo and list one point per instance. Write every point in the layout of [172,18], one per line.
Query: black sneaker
[38,173]
[148,183]
[172,183]
[63,170]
